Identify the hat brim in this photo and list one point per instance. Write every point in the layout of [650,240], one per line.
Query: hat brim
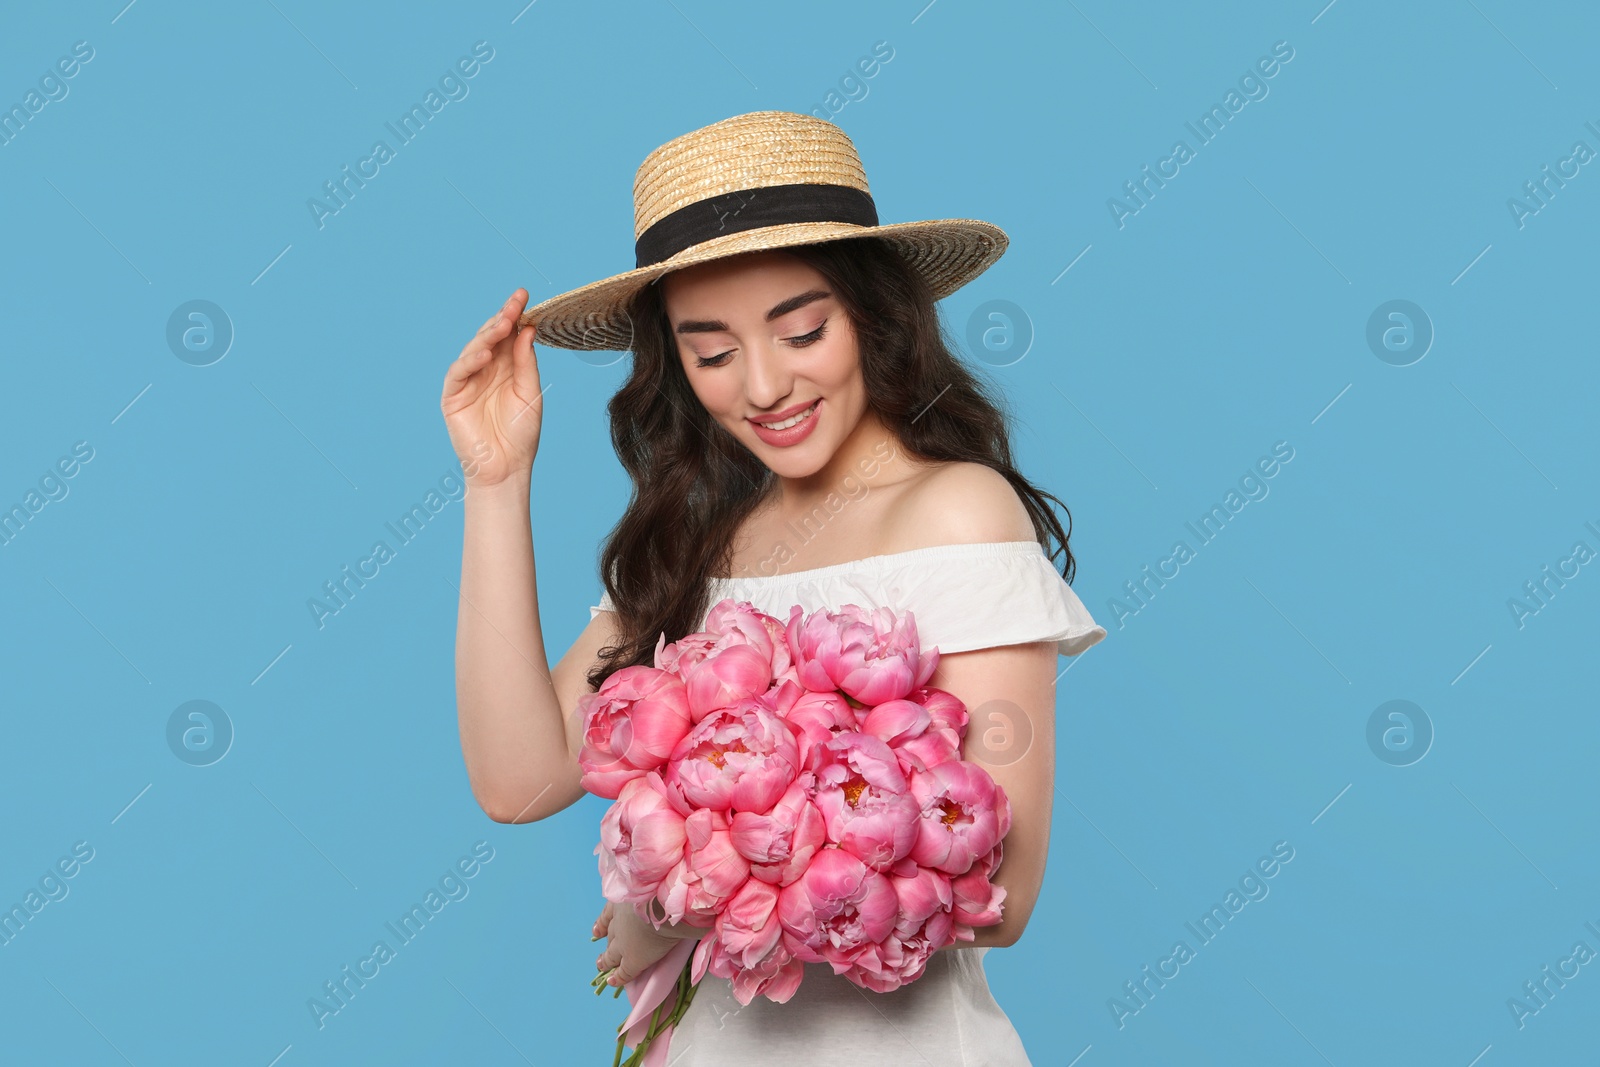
[948,253]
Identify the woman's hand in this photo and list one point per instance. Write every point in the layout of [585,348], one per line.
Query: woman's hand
[632,944]
[492,402]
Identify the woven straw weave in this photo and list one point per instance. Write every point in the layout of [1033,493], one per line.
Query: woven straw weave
[753,151]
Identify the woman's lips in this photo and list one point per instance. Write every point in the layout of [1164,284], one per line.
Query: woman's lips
[794,434]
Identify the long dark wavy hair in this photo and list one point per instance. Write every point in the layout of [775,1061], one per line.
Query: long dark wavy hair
[694,482]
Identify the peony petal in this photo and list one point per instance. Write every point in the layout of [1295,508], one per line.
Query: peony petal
[894,721]
[736,673]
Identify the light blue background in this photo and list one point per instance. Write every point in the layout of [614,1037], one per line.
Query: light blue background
[1228,314]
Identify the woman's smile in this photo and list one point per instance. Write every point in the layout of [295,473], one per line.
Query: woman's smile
[784,433]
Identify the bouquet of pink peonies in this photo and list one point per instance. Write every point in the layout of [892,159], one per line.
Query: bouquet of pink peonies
[798,791]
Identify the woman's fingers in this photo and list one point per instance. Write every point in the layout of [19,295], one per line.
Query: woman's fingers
[499,325]
[502,333]
[504,308]
[465,366]
[457,392]
[612,959]
[468,377]
[490,334]
[602,928]
[511,305]
[479,353]
[524,370]
[621,972]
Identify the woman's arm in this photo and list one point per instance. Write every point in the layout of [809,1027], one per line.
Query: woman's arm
[1009,691]
[1010,697]
[519,733]
[515,715]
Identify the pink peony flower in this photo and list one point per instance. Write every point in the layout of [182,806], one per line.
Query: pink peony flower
[797,792]
[712,859]
[678,656]
[742,757]
[897,959]
[776,976]
[630,726]
[740,621]
[947,712]
[923,925]
[724,678]
[870,656]
[918,740]
[865,802]
[728,623]
[964,814]
[780,843]
[922,893]
[925,751]
[737,656]
[708,873]
[894,721]
[641,838]
[816,717]
[976,900]
[838,907]
[748,928]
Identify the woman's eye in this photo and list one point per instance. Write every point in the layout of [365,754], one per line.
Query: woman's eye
[811,338]
[799,342]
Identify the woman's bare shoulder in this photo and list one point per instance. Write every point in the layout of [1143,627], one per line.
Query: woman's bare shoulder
[961,503]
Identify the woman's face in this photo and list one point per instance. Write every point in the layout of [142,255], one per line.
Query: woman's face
[762,337]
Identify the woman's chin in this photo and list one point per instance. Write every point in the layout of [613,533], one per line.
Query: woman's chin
[800,461]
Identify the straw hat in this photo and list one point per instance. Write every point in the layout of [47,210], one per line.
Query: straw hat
[767,179]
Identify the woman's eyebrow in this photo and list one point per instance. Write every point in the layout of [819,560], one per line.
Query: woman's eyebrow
[777,311]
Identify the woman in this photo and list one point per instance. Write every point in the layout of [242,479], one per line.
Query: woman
[797,431]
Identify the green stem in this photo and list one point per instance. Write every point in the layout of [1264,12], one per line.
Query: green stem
[649,1036]
[683,995]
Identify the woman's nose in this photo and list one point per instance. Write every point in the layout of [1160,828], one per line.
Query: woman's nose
[766,379]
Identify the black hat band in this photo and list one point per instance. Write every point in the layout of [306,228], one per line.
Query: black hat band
[751,209]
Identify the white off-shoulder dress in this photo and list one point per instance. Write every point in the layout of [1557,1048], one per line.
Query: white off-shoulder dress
[964,597]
